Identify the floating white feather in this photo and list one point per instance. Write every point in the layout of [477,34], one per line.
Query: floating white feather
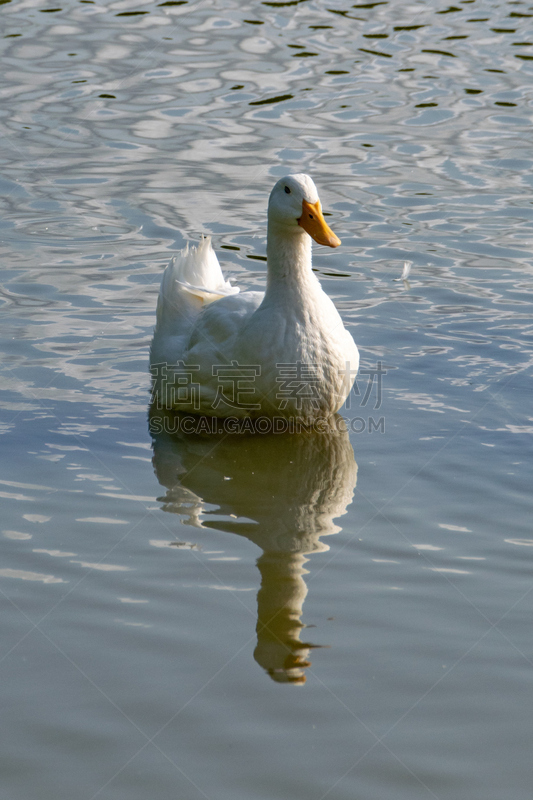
[406,269]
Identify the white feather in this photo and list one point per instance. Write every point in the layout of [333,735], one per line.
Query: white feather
[406,270]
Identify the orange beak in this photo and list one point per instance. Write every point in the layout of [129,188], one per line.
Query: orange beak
[312,221]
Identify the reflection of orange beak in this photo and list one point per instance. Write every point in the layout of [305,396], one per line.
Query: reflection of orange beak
[316,226]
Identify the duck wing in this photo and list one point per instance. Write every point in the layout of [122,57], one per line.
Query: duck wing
[199,318]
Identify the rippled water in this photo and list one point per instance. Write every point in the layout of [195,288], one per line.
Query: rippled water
[179,619]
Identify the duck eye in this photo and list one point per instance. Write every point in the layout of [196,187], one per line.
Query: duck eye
[287,190]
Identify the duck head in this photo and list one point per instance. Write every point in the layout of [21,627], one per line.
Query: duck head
[294,203]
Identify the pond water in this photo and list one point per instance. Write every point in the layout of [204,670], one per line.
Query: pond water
[268,617]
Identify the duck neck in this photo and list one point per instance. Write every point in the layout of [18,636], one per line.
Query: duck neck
[288,262]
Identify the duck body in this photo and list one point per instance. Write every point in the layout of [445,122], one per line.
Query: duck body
[285,352]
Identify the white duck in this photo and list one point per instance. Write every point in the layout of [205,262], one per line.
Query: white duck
[282,353]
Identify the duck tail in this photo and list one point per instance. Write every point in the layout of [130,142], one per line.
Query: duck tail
[192,280]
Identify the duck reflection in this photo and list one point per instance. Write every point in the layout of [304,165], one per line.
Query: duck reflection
[282,492]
